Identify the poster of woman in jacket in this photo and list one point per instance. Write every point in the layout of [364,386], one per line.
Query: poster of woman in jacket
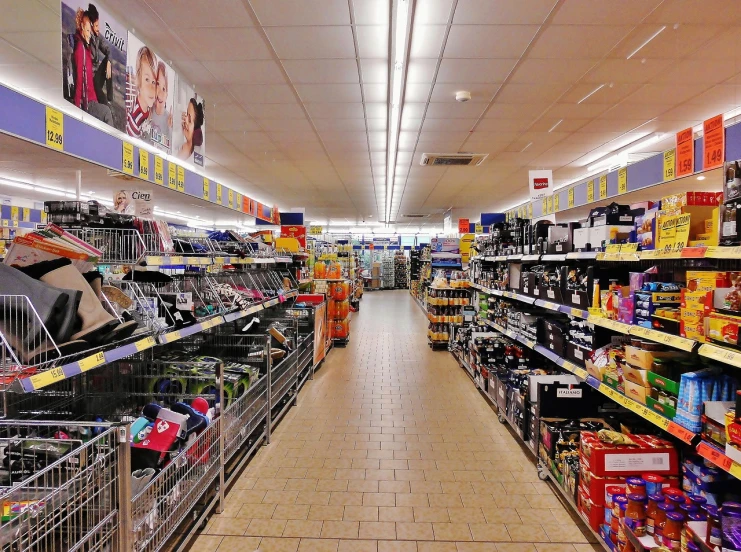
[94,49]
[189,133]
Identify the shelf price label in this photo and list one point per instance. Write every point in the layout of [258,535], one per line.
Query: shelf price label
[128,158]
[145,343]
[238,202]
[713,143]
[181,179]
[623,180]
[603,186]
[143,163]
[478,229]
[571,197]
[715,456]
[590,191]
[670,162]
[685,152]
[720,252]
[206,190]
[721,354]
[172,179]
[218,194]
[159,171]
[47,378]
[680,432]
[91,362]
[54,128]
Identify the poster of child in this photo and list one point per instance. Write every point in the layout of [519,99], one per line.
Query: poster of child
[150,93]
[189,132]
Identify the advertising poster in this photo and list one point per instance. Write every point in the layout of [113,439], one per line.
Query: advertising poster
[297,232]
[94,48]
[134,202]
[541,183]
[150,95]
[321,335]
[189,127]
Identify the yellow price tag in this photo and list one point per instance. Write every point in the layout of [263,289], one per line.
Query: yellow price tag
[577,312]
[603,186]
[670,162]
[549,204]
[590,191]
[571,197]
[720,252]
[143,163]
[159,171]
[206,188]
[6,223]
[530,211]
[26,214]
[143,344]
[173,336]
[623,180]
[478,229]
[47,378]
[238,202]
[230,198]
[54,128]
[218,193]
[172,178]
[181,179]
[88,363]
[128,158]
[721,354]
[14,213]
[545,206]
[557,202]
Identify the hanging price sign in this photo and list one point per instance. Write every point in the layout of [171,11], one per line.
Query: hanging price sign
[159,171]
[623,180]
[530,211]
[206,186]
[128,158]
[713,143]
[603,186]
[181,179]
[557,202]
[685,152]
[218,194]
[571,197]
[143,164]
[670,162]
[26,214]
[549,204]
[590,191]
[54,128]
[172,176]
[544,208]
[230,198]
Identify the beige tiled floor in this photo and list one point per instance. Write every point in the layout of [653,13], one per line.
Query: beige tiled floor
[391,449]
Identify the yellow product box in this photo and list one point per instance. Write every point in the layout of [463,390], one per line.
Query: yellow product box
[707,280]
[640,358]
[692,316]
[693,331]
[637,392]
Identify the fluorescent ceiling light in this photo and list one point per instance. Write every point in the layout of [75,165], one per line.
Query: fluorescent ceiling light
[600,87]
[657,33]
[621,155]
[528,145]
[700,177]
[554,126]
[15,184]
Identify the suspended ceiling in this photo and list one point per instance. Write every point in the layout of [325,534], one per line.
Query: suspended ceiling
[297,90]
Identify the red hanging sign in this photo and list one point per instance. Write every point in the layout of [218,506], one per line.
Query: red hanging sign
[713,143]
[685,152]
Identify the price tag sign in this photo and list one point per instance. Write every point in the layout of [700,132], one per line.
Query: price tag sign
[54,128]
[238,202]
[530,210]
[478,229]
[681,232]
[172,176]
[159,171]
[590,191]
[26,214]
[143,344]
[181,179]
[721,354]
[571,197]
[713,143]
[544,208]
[670,162]
[206,186]
[613,248]
[230,198]
[143,163]
[623,180]
[88,363]
[14,213]
[716,457]
[549,204]
[603,186]
[128,158]
[685,152]
[557,202]
[47,378]
[218,193]
[680,432]
[720,252]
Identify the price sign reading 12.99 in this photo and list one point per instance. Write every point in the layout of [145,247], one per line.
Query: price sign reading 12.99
[54,128]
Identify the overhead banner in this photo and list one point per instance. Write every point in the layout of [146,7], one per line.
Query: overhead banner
[94,49]
[541,183]
[134,202]
[150,95]
[463,226]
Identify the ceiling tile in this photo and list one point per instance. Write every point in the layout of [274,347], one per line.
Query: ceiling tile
[723,47]
[329,93]
[301,12]
[27,17]
[322,71]
[428,12]
[531,93]
[432,124]
[577,111]
[188,14]
[374,71]
[533,71]
[577,42]
[276,111]
[245,43]
[376,124]
[627,71]
[488,41]
[375,92]
[694,12]
[658,93]
[259,93]
[335,111]
[454,110]
[373,41]
[513,12]
[371,12]
[357,124]
[501,110]
[671,43]
[420,70]
[427,41]
[242,72]
[604,12]
[29,47]
[312,42]
[474,70]
[416,92]
[286,125]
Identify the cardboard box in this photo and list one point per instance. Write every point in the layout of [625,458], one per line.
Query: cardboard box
[661,382]
[593,514]
[594,485]
[636,375]
[636,391]
[665,410]
[640,358]
[649,455]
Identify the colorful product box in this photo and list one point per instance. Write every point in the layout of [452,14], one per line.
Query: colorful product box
[722,328]
[640,358]
[636,391]
[594,486]
[593,514]
[649,454]
[707,280]
[699,299]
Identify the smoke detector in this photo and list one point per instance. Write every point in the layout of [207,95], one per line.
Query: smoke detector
[462,96]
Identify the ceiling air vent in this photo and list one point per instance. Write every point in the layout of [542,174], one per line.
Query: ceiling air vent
[416,215]
[453,159]
[122,176]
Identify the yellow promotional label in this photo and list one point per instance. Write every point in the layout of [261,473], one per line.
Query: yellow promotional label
[230,198]
[613,248]
[479,229]
[720,252]
[143,344]
[47,378]
[721,354]
[127,163]
[26,214]
[667,232]
[681,232]
[670,162]
[571,197]
[181,179]
[172,177]
[603,186]
[206,186]
[54,128]
[91,362]
[557,202]
[143,164]
[14,213]
[590,191]
[315,230]
[623,180]
[159,171]
[218,193]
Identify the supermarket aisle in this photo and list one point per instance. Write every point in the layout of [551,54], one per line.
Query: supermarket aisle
[391,448]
